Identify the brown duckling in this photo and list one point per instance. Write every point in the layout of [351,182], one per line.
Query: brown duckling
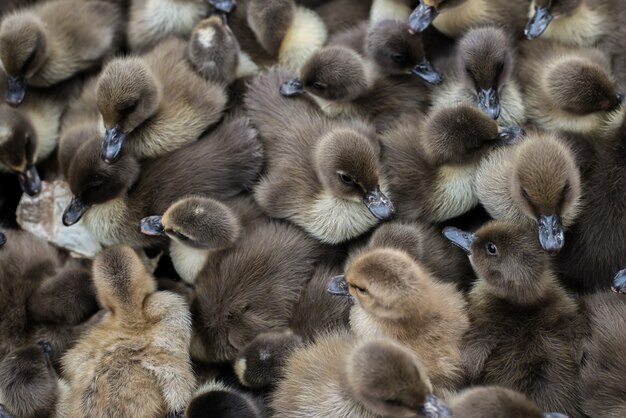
[395,297]
[323,175]
[135,361]
[482,73]
[215,399]
[50,42]
[156,103]
[519,311]
[534,182]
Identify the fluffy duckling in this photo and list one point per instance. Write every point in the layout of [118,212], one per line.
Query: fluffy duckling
[341,15]
[431,162]
[482,74]
[323,175]
[135,361]
[519,311]
[394,296]
[115,197]
[215,399]
[50,42]
[157,103]
[536,181]
[569,89]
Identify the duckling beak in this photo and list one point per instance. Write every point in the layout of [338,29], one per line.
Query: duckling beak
[292,88]
[489,102]
[3,239]
[16,91]
[538,23]
[619,102]
[4,413]
[153,226]
[112,145]
[74,211]
[421,18]
[509,135]
[46,347]
[380,206]
[551,233]
[225,6]
[619,282]
[30,180]
[554,415]
[427,72]
[338,286]
[460,238]
[435,408]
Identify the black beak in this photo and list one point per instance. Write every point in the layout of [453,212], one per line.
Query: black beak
[74,211]
[4,413]
[112,145]
[509,135]
[339,287]
[435,408]
[152,225]
[427,72]
[380,206]
[16,91]
[489,102]
[3,239]
[422,17]
[460,238]
[551,233]
[30,181]
[292,88]
[538,23]
[619,282]
[225,6]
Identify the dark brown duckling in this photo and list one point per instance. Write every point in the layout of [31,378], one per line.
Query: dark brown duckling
[215,399]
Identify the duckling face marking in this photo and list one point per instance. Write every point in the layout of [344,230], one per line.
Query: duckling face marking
[205,37]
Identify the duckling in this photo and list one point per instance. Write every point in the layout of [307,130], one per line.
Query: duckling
[215,399]
[115,197]
[341,15]
[536,181]
[482,74]
[50,42]
[394,296]
[570,89]
[156,103]
[342,376]
[518,310]
[323,175]
[135,361]
[431,161]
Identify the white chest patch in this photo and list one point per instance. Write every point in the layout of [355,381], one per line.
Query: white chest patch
[246,67]
[389,9]
[187,261]
[107,222]
[456,191]
[171,16]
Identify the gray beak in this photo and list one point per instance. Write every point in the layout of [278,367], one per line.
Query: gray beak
[3,239]
[619,282]
[292,88]
[4,413]
[427,72]
[16,91]
[489,102]
[225,6]
[30,181]
[435,408]
[153,226]
[421,18]
[380,206]
[74,211]
[509,135]
[338,286]
[112,145]
[46,347]
[538,23]
[460,238]
[551,233]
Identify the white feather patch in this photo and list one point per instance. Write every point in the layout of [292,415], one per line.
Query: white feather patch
[305,36]
[187,261]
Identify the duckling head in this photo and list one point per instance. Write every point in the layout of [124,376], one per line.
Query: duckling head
[270,20]
[127,95]
[485,63]
[545,183]
[389,380]
[507,258]
[18,142]
[214,50]
[488,401]
[397,52]
[545,11]
[334,73]
[23,50]
[196,222]
[426,12]
[347,165]
[93,182]
[122,281]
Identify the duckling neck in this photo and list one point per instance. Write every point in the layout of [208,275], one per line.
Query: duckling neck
[458,19]
[188,261]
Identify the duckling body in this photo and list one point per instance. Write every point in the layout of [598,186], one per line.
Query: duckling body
[216,399]
[494,402]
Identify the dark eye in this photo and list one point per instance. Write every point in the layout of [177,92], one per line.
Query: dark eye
[179,235]
[319,86]
[469,72]
[491,248]
[393,402]
[346,179]
[359,289]
[399,58]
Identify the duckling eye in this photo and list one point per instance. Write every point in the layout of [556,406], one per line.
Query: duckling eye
[319,86]
[346,179]
[469,72]
[491,248]
[361,290]
[180,236]
[399,58]
[393,402]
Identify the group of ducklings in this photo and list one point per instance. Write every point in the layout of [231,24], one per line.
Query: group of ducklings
[310,168]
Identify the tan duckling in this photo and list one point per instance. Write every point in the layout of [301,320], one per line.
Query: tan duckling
[135,361]
[51,42]
[395,297]
[536,182]
[525,330]
[341,376]
[569,89]
[215,399]
[431,161]
[323,175]
[481,73]
[156,103]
